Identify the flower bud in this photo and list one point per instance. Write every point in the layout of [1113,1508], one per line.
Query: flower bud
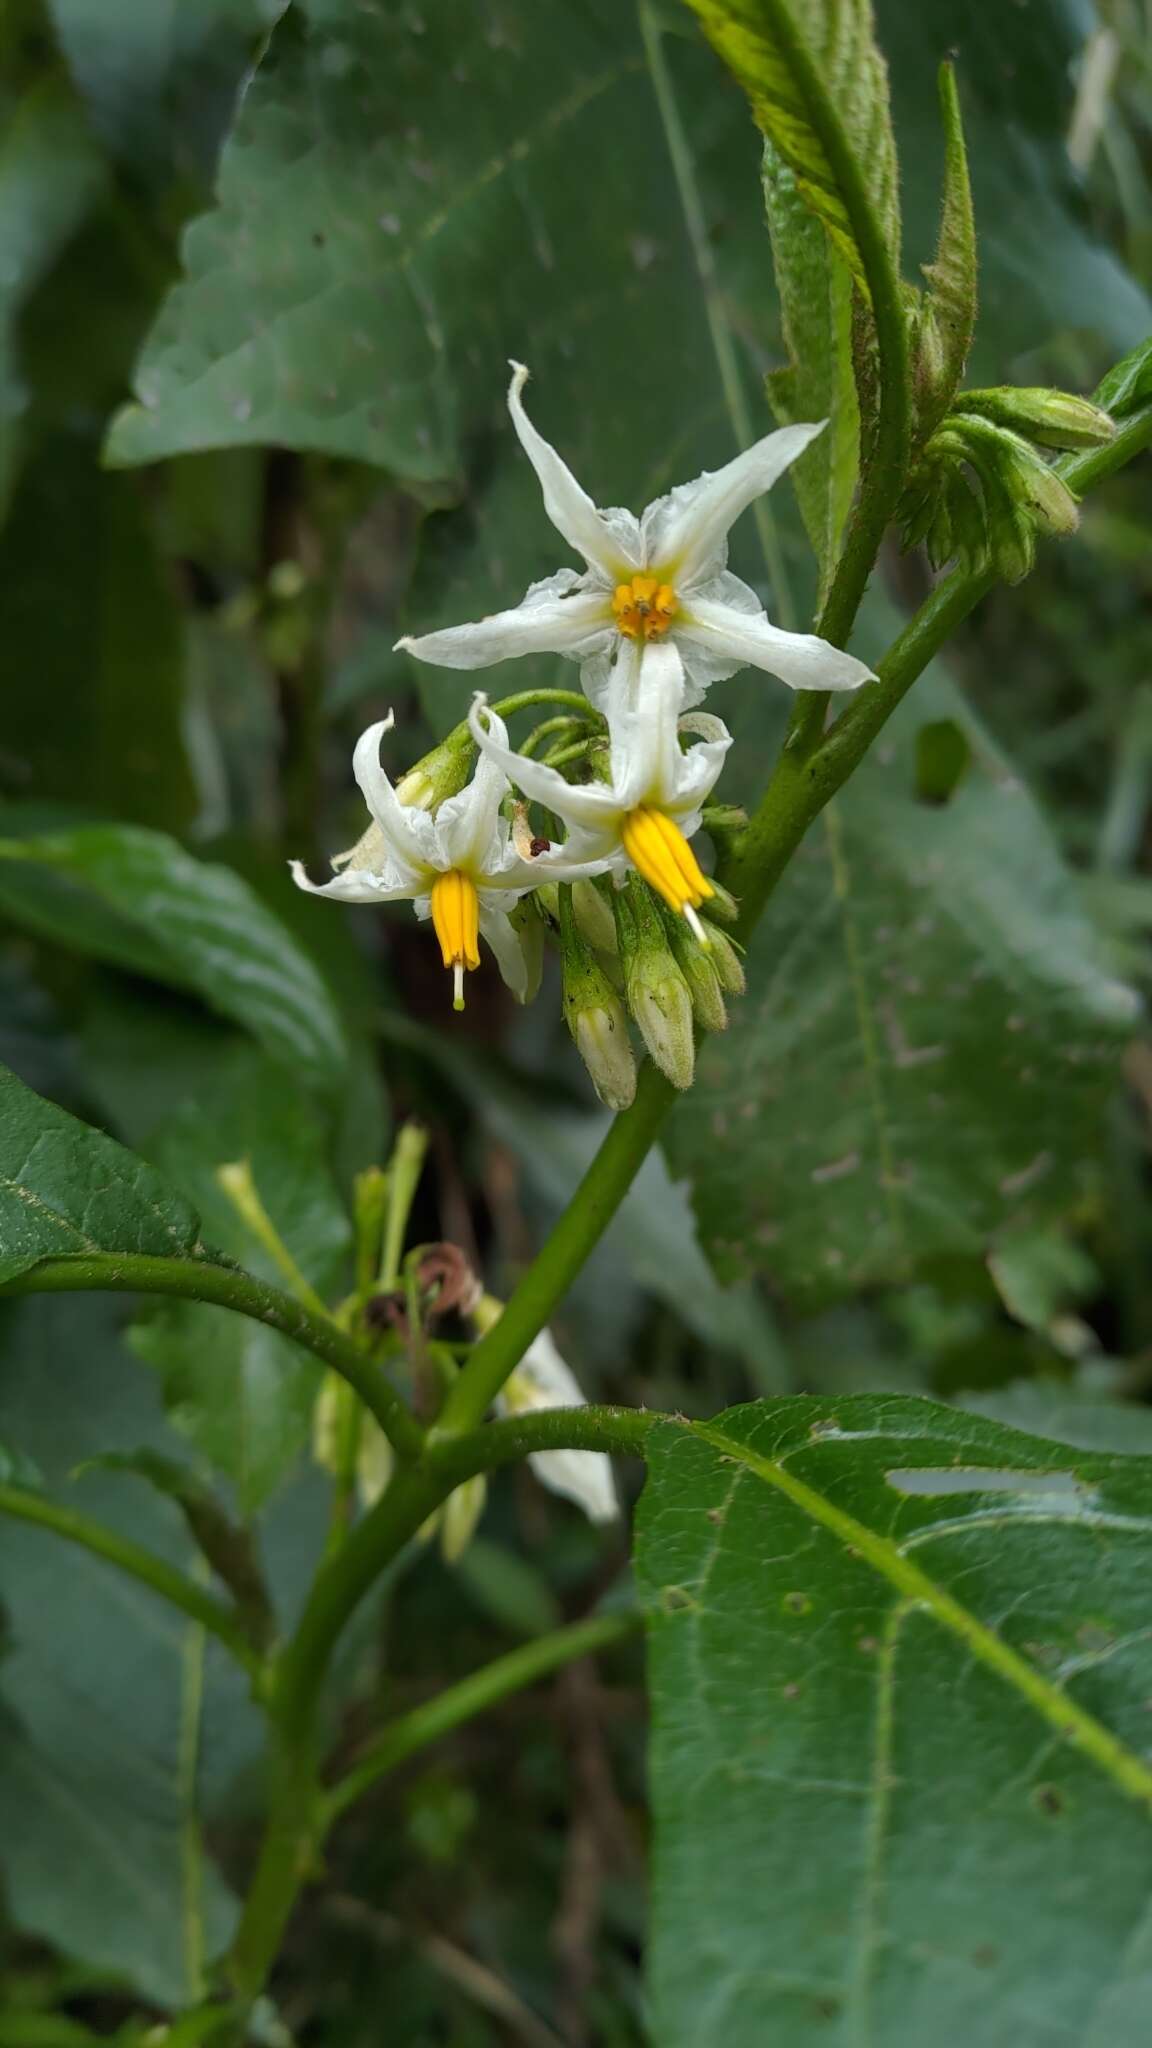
[594,916]
[594,1013]
[1056,419]
[656,991]
[699,973]
[725,957]
[722,904]
[528,925]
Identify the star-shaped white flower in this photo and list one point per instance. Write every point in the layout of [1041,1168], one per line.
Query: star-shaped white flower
[458,866]
[543,1380]
[661,577]
[647,811]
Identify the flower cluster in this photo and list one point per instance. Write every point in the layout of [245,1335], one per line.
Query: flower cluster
[653,620]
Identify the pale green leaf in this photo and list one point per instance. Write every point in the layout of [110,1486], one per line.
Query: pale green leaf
[66,1189]
[900,1668]
[136,898]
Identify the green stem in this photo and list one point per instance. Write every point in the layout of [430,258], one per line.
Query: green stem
[524,700]
[140,1564]
[228,1287]
[473,1695]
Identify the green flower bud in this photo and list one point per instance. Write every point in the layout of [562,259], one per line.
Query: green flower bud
[700,974]
[656,991]
[593,909]
[1056,419]
[441,773]
[725,957]
[721,904]
[526,920]
[594,1013]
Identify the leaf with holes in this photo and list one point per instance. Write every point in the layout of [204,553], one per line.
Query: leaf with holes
[135,897]
[66,1189]
[928,1042]
[901,1671]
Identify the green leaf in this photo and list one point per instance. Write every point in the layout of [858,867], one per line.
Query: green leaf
[67,1189]
[819,91]
[946,317]
[229,1550]
[900,1671]
[816,303]
[117,1719]
[928,1042]
[237,1390]
[1128,384]
[136,898]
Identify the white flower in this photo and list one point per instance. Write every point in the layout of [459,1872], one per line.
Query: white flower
[646,813]
[542,1380]
[459,866]
[663,576]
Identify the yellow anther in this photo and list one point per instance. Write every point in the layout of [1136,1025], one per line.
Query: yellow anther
[644,608]
[659,851]
[456,919]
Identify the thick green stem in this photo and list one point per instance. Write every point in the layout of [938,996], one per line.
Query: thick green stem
[140,1564]
[228,1287]
[474,1695]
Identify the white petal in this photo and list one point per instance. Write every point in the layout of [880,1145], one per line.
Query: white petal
[644,700]
[408,830]
[543,1380]
[698,772]
[685,534]
[584,1477]
[589,804]
[507,948]
[609,543]
[468,823]
[355,885]
[801,660]
[546,621]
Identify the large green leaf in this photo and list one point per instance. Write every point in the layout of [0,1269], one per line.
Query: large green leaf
[136,898]
[241,1393]
[118,1719]
[900,1667]
[928,1040]
[68,1190]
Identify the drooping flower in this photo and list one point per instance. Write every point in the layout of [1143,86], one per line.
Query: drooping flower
[458,866]
[662,577]
[645,814]
[543,1380]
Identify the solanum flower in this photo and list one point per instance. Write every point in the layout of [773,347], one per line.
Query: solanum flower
[458,866]
[647,811]
[543,1380]
[662,577]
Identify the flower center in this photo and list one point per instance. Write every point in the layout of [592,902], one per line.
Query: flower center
[659,851]
[644,608]
[456,919]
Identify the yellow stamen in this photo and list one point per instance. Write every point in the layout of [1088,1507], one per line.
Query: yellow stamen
[644,608]
[456,919]
[659,851]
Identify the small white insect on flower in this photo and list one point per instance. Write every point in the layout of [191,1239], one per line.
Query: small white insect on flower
[645,814]
[662,577]
[543,1380]
[458,866]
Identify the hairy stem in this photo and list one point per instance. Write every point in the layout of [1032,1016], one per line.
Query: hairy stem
[155,1572]
[228,1287]
[471,1696]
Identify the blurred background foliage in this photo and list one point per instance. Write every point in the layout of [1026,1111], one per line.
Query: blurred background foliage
[252,348]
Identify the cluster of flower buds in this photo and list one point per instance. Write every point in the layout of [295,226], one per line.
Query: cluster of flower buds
[982,493]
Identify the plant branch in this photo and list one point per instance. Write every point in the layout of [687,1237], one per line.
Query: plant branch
[155,1572]
[228,1287]
[473,1695]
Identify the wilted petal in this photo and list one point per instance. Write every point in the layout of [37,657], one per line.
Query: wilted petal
[685,533]
[608,542]
[546,621]
[746,639]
